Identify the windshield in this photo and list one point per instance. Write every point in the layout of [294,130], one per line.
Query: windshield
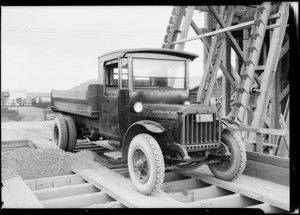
[157,74]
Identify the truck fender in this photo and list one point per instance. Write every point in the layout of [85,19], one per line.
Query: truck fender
[229,123]
[143,126]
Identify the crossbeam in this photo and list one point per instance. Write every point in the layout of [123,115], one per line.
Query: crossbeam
[212,33]
[235,46]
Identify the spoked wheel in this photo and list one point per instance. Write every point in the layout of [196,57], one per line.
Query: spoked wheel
[146,164]
[60,132]
[233,164]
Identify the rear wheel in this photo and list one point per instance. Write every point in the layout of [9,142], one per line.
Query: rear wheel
[232,166]
[60,132]
[146,164]
[72,133]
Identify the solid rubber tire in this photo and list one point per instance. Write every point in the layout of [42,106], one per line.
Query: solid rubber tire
[72,131]
[62,127]
[238,150]
[152,151]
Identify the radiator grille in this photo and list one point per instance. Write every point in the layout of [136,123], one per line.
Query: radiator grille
[198,133]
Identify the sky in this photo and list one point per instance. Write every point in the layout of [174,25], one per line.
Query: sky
[55,47]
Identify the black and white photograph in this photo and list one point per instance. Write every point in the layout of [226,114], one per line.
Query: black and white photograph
[149,106]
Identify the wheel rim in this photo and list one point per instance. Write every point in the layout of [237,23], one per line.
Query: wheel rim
[56,134]
[226,161]
[140,165]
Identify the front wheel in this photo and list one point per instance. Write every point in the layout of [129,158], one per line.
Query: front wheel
[232,166]
[146,164]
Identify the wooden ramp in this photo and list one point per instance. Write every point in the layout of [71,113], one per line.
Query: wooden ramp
[123,190]
[266,192]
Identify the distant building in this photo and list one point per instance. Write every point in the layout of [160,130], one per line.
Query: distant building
[14,97]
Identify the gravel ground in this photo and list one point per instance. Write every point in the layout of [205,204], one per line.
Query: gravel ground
[33,162]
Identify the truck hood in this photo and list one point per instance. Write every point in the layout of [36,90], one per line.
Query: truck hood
[167,111]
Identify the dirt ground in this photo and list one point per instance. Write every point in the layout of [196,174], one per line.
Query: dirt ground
[32,113]
[26,130]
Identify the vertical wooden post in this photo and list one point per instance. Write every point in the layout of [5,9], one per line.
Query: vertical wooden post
[186,26]
[225,82]
[270,71]
[208,26]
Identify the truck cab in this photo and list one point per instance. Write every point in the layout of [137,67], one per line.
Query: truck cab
[141,104]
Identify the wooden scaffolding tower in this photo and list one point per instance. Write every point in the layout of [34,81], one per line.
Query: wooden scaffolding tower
[255,91]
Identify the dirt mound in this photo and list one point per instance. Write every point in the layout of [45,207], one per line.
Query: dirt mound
[84,86]
[9,115]
[29,162]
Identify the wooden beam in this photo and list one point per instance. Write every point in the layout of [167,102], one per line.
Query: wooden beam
[222,67]
[268,172]
[123,190]
[212,33]
[235,46]
[285,92]
[77,201]
[225,83]
[284,49]
[271,65]
[268,159]
[65,191]
[228,201]
[185,26]
[57,181]
[7,199]
[114,204]
[258,189]
[199,194]
[261,130]
[21,194]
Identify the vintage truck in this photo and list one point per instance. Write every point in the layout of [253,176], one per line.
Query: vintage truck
[141,105]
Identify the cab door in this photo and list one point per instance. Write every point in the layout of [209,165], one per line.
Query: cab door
[111,70]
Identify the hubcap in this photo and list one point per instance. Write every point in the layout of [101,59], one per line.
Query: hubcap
[140,165]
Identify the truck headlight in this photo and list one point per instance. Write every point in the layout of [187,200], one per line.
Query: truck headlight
[187,103]
[138,107]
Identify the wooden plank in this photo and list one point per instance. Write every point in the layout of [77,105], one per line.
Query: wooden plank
[174,176]
[7,199]
[65,191]
[262,130]
[21,194]
[58,181]
[261,190]
[268,159]
[228,201]
[114,204]
[284,49]
[284,92]
[181,185]
[268,172]
[45,175]
[123,190]
[78,201]
[268,209]
[199,194]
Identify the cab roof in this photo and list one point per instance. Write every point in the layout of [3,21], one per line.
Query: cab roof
[172,52]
